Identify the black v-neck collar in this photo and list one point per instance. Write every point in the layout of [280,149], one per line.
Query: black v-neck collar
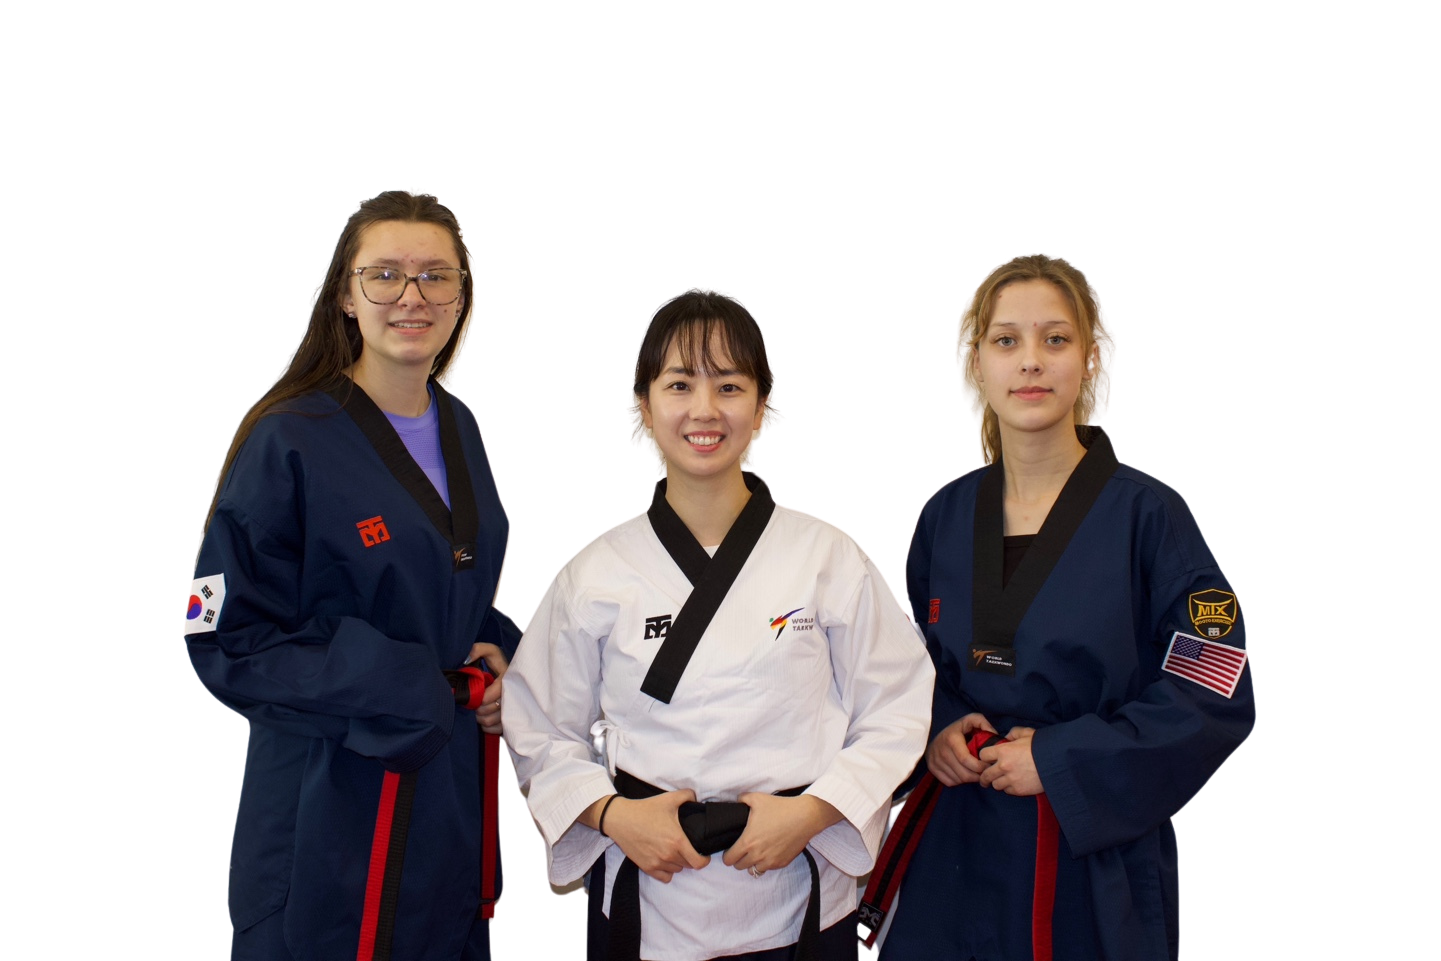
[459,524]
[997,611]
[711,578]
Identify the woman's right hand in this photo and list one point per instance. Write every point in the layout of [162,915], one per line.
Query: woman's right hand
[948,757]
[649,833]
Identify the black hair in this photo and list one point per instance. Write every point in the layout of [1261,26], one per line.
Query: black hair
[700,323]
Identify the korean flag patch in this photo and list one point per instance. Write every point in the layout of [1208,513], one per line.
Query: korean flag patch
[207,596]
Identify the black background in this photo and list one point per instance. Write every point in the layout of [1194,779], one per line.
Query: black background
[859,311]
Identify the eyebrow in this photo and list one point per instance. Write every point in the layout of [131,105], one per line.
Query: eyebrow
[712,373]
[425,264]
[1047,323]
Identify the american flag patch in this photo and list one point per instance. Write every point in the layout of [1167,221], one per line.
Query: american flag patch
[1209,664]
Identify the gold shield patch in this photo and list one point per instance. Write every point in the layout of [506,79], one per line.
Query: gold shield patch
[1214,612]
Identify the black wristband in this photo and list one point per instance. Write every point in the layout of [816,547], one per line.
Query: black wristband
[600,824]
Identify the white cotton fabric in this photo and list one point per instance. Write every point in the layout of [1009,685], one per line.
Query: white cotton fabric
[839,700]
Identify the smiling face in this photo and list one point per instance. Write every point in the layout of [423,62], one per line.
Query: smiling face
[411,332]
[1030,362]
[702,420]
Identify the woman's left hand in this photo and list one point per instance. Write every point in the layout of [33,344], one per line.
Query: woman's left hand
[778,830]
[1013,769]
[488,714]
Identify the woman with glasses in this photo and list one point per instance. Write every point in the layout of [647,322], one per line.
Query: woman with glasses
[342,603]
[715,700]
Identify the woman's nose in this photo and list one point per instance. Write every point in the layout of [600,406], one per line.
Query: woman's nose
[410,294]
[702,405]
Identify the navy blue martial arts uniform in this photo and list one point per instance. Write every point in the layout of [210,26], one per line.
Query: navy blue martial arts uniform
[1078,644]
[344,588]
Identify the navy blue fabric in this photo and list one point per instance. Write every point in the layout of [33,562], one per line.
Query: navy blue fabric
[265,941]
[1120,745]
[334,650]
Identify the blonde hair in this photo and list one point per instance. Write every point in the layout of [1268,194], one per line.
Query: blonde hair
[977,319]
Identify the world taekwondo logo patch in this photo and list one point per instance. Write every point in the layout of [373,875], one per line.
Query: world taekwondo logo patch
[796,623]
[1214,612]
[207,596]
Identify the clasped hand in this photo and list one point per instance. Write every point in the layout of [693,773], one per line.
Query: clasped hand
[488,714]
[1008,767]
[649,833]
[777,830]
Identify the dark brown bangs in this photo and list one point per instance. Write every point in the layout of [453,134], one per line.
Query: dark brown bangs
[711,333]
[705,346]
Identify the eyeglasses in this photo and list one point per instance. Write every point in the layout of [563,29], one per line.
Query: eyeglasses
[385,285]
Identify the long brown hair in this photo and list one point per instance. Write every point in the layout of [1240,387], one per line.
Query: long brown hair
[1073,286]
[332,342]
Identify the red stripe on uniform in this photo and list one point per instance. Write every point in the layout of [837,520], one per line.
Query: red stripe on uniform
[489,822]
[1043,898]
[379,851]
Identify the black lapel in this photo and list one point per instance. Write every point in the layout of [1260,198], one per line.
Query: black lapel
[458,528]
[676,538]
[711,579]
[464,518]
[996,612]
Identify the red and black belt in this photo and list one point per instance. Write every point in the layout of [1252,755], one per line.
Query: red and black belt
[905,837]
[468,685]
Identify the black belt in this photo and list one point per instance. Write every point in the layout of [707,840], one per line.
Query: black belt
[711,827]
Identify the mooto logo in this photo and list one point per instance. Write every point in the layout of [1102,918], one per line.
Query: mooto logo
[1214,612]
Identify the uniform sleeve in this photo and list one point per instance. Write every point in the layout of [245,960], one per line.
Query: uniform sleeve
[552,697]
[1112,779]
[500,631]
[884,679]
[947,705]
[323,675]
